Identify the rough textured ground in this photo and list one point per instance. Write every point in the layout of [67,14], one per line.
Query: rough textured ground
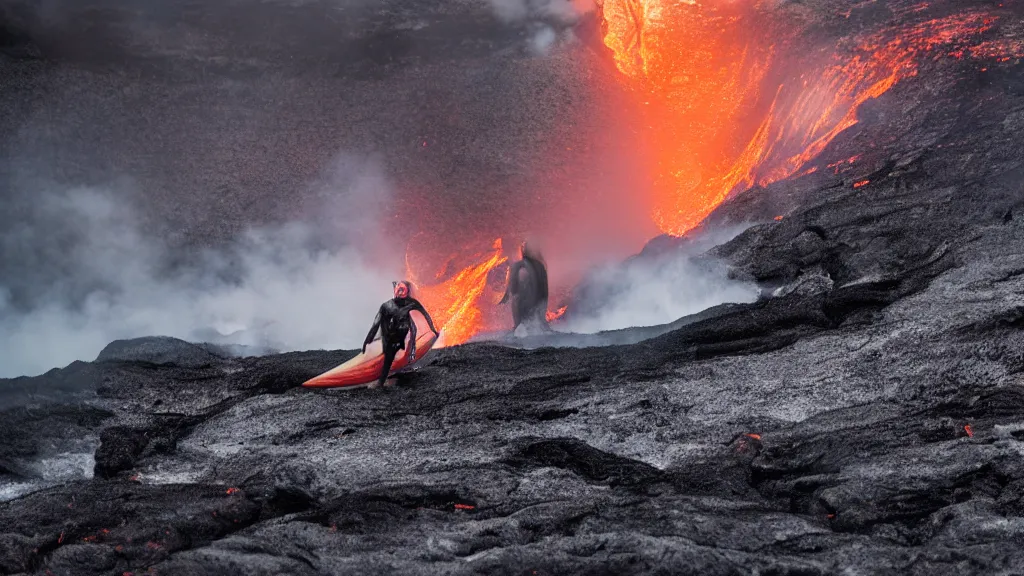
[865,416]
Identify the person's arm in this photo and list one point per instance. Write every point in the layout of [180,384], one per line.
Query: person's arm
[412,342]
[511,282]
[541,272]
[373,329]
[430,322]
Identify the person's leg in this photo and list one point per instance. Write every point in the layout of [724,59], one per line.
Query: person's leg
[389,357]
[517,314]
[411,347]
[542,316]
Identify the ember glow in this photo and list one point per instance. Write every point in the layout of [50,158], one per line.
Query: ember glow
[731,95]
[724,110]
[552,316]
[464,304]
[455,304]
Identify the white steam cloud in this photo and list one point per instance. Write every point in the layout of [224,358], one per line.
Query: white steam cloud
[544,18]
[659,289]
[286,287]
[562,10]
[542,40]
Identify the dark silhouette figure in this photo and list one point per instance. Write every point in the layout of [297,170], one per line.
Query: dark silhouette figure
[527,286]
[395,323]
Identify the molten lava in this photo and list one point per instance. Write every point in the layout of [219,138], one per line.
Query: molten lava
[455,304]
[552,316]
[723,111]
[463,305]
[733,94]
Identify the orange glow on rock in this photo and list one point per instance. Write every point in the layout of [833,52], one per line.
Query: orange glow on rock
[861,183]
[552,316]
[734,96]
[455,304]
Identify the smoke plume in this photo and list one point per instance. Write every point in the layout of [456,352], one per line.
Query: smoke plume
[545,19]
[81,268]
[655,289]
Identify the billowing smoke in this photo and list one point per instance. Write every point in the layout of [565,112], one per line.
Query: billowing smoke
[81,268]
[519,10]
[546,19]
[655,289]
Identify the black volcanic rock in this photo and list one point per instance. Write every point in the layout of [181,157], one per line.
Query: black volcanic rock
[118,450]
[37,433]
[60,385]
[159,350]
[866,415]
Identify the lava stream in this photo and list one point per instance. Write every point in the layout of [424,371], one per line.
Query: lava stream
[723,109]
[456,304]
[555,315]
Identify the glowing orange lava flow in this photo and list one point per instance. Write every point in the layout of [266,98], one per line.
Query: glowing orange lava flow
[455,304]
[724,114]
[552,316]
[820,110]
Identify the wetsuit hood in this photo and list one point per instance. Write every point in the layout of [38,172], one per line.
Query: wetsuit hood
[402,290]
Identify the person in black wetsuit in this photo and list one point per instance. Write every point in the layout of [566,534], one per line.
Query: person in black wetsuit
[530,294]
[394,322]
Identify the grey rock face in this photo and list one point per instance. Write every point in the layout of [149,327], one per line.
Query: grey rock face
[157,350]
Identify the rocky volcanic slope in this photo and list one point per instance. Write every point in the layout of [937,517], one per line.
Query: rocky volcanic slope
[868,412]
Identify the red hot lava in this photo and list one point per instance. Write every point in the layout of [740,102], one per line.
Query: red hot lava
[733,94]
[456,303]
[723,109]
[552,316]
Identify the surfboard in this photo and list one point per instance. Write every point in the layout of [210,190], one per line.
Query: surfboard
[365,368]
